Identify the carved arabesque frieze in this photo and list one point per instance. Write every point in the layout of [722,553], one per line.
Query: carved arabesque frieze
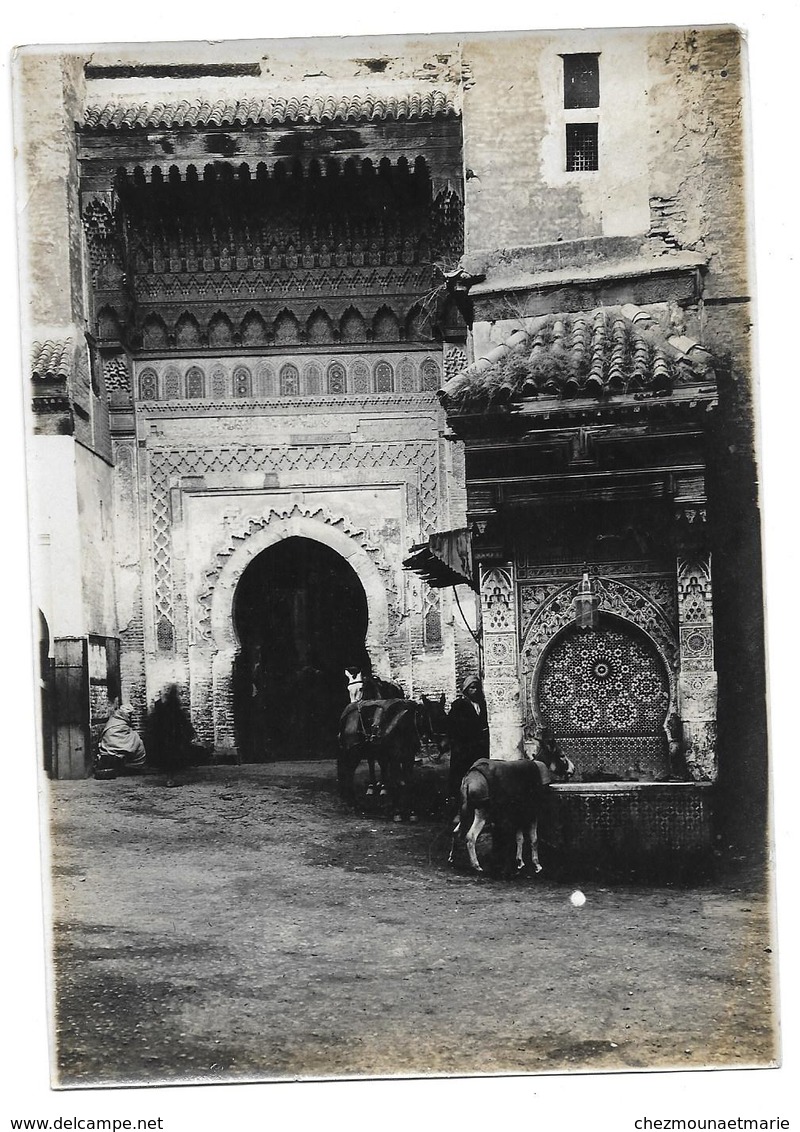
[538,584]
[372,314]
[501,677]
[314,227]
[455,360]
[276,262]
[103,229]
[116,374]
[698,679]
[379,377]
[547,608]
[694,591]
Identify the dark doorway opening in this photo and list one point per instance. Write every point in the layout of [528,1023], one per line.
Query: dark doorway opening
[46,694]
[300,613]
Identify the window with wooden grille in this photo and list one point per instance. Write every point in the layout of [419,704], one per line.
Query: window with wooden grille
[581,80]
[582,149]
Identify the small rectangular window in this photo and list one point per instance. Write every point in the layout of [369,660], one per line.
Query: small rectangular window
[581,147]
[581,81]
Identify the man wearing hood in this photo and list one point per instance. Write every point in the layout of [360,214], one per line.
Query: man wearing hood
[120,747]
[468,728]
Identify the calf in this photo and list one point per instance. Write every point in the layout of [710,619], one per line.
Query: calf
[510,795]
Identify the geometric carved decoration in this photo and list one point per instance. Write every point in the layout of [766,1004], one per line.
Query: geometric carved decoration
[242,382]
[148,385]
[219,382]
[337,378]
[195,383]
[384,380]
[174,381]
[695,615]
[115,374]
[312,380]
[407,376]
[694,591]
[265,381]
[360,374]
[172,385]
[290,381]
[414,461]
[501,675]
[498,602]
[698,680]
[431,375]
[432,619]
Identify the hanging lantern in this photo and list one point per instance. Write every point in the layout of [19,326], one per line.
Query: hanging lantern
[586,604]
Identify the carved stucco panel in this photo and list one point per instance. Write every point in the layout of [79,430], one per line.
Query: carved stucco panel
[500,658]
[698,678]
[414,462]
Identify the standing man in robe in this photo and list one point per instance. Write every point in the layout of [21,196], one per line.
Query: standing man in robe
[468,729]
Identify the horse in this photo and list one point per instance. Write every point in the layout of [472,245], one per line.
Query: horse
[361,687]
[389,732]
[436,721]
[511,796]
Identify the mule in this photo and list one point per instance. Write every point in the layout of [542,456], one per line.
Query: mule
[389,733]
[510,796]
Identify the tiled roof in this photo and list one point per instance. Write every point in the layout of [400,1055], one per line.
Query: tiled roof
[52,358]
[590,354]
[200,113]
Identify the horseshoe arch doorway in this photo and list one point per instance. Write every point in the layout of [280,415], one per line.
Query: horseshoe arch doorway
[301,616]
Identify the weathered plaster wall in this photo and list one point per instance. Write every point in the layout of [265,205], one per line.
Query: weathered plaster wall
[365,62]
[514,147]
[671,158]
[71,516]
[695,146]
[69,487]
[94,484]
[56,550]
[49,91]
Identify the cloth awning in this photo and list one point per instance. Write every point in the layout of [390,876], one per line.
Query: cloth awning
[444,560]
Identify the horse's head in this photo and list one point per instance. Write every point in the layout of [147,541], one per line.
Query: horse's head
[355,684]
[433,721]
[547,750]
[560,765]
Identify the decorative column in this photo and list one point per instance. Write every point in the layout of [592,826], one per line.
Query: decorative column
[501,669]
[697,678]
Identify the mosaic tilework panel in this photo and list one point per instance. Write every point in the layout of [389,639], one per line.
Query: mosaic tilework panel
[623,756]
[603,682]
[622,828]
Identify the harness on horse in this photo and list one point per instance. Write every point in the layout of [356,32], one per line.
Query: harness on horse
[370,732]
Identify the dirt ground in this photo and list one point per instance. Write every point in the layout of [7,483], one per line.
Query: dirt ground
[247,926]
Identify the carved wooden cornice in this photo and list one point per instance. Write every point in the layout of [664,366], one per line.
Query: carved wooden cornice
[355,256]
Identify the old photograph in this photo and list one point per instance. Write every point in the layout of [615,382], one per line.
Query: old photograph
[396,560]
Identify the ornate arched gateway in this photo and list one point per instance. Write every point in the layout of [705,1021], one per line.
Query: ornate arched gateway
[300,546]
